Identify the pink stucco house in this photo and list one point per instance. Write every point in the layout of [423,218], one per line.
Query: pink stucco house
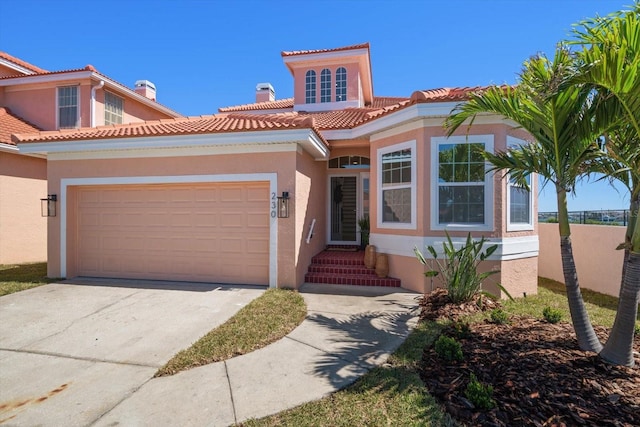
[204,198]
[33,99]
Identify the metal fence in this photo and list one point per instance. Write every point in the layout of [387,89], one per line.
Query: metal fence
[608,217]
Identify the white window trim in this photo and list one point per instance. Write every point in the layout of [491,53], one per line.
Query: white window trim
[512,143]
[78,124]
[379,153]
[487,140]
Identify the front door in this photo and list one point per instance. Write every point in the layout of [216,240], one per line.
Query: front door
[344,210]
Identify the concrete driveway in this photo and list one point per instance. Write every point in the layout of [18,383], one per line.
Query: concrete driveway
[69,353]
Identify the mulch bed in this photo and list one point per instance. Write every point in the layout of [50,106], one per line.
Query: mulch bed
[539,377]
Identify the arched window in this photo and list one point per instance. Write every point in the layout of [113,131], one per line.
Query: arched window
[325,85]
[341,84]
[349,162]
[310,87]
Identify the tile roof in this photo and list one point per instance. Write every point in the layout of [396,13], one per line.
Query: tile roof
[10,124]
[267,105]
[47,73]
[180,126]
[337,49]
[445,94]
[21,63]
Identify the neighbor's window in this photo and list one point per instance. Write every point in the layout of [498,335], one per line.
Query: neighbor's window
[310,87]
[397,174]
[341,84]
[112,109]
[325,85]
[463,190]
[68,111]
[519,199]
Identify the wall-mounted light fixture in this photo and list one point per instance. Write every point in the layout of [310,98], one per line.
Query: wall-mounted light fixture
[283,205]
[48,205]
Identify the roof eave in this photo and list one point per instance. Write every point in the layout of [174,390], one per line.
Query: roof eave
[310,139]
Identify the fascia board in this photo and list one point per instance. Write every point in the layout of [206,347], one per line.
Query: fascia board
[323,56]
[47,78]
[8,148]
[15,66]
[306,137]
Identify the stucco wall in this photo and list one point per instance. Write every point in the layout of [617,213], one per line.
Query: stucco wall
[310,203]
[23,231]
[598,263]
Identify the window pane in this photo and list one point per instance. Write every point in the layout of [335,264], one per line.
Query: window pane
[519,209]
[341,84]
[399,165]
[396,205]
[325,85]
[310,87]
[461,204]
[113,107]
[67,107]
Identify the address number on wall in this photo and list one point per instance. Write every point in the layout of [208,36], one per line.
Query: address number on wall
[274,205]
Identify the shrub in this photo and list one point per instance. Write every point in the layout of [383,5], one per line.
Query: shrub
[637,329]
[459,270]
[552,315]
[448,348]
[459,330]
[499,316]
[479,394]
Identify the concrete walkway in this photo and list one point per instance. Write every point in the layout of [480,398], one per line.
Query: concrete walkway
[347,332]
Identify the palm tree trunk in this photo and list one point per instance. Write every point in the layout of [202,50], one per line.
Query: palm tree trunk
[619,347]
[587,338]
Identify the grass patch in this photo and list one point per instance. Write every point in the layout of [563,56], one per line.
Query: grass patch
[264,320]
[16,278]
[601,308]
[391,394]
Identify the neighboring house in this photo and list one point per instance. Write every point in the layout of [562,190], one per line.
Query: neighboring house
[199,198]
[33,99]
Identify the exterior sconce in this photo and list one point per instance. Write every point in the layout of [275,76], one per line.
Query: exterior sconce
[48,205]
[283,205]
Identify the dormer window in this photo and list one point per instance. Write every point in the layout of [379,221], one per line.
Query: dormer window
[325,85]
[341,84]
[310,87]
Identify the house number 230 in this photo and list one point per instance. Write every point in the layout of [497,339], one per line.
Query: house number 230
[274,204]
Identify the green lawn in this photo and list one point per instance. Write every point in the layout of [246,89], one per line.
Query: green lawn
[16,278]
[265,320]
[393,394]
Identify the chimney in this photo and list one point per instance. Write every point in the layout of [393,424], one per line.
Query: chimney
[265,92]
[146,88]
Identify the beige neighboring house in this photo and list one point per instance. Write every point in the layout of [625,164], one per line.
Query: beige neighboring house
[254,193]
[33,99]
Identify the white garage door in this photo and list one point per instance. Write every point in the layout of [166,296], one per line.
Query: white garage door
[212,232]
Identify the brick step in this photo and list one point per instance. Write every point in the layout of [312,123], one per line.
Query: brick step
[339,258]
[351,279]
[360,270]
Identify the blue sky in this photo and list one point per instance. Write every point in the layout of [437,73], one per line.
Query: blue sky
[206,54]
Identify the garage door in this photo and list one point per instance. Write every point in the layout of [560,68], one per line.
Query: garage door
[213,232]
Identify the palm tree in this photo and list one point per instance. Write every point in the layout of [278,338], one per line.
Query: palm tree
[563,151]
[609,63]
